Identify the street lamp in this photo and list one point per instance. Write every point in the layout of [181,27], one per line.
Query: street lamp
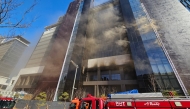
[73,88]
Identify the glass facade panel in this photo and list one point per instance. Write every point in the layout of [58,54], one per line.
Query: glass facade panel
[105,77]
[175,83]
[161,69]
[116,77]
[68,70]
[155,68]
[168,68]
[156,56]
[185,3]
[93,78]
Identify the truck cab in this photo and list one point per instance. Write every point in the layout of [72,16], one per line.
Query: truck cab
[74,104]
[89,102]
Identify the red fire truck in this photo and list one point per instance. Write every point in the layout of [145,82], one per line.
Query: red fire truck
[91,102]
[6,103]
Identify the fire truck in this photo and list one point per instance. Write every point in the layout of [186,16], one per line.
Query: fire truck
[123,101]
[6,103]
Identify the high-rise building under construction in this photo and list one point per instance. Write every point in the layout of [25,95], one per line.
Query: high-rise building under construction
[120,45]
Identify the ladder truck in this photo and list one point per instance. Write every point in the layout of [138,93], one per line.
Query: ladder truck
[133,101]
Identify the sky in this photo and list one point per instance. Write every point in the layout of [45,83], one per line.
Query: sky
[97,2]
[47,13]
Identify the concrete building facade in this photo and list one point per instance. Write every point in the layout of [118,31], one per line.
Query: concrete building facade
[10,52]
[29,76]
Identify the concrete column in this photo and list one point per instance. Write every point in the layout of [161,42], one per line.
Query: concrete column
[110,75]
[87,76]
[98,74]
[94,90]
[123,87]
[122,73]
[98,94]
[109,88]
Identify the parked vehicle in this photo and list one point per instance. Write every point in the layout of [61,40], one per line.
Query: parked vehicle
[6,103]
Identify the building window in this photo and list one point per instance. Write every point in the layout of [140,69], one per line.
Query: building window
[93,78]
[12,82]
[105,77]
[116,77]
[3,87]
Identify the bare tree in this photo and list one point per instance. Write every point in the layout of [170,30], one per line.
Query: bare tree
[112,90]
[103,91]
[36,93]
[80,93]
[163,88]
[9,14]
[50,94]
[64,96]
[152,81]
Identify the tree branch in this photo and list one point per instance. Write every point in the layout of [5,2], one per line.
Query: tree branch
[10,20]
